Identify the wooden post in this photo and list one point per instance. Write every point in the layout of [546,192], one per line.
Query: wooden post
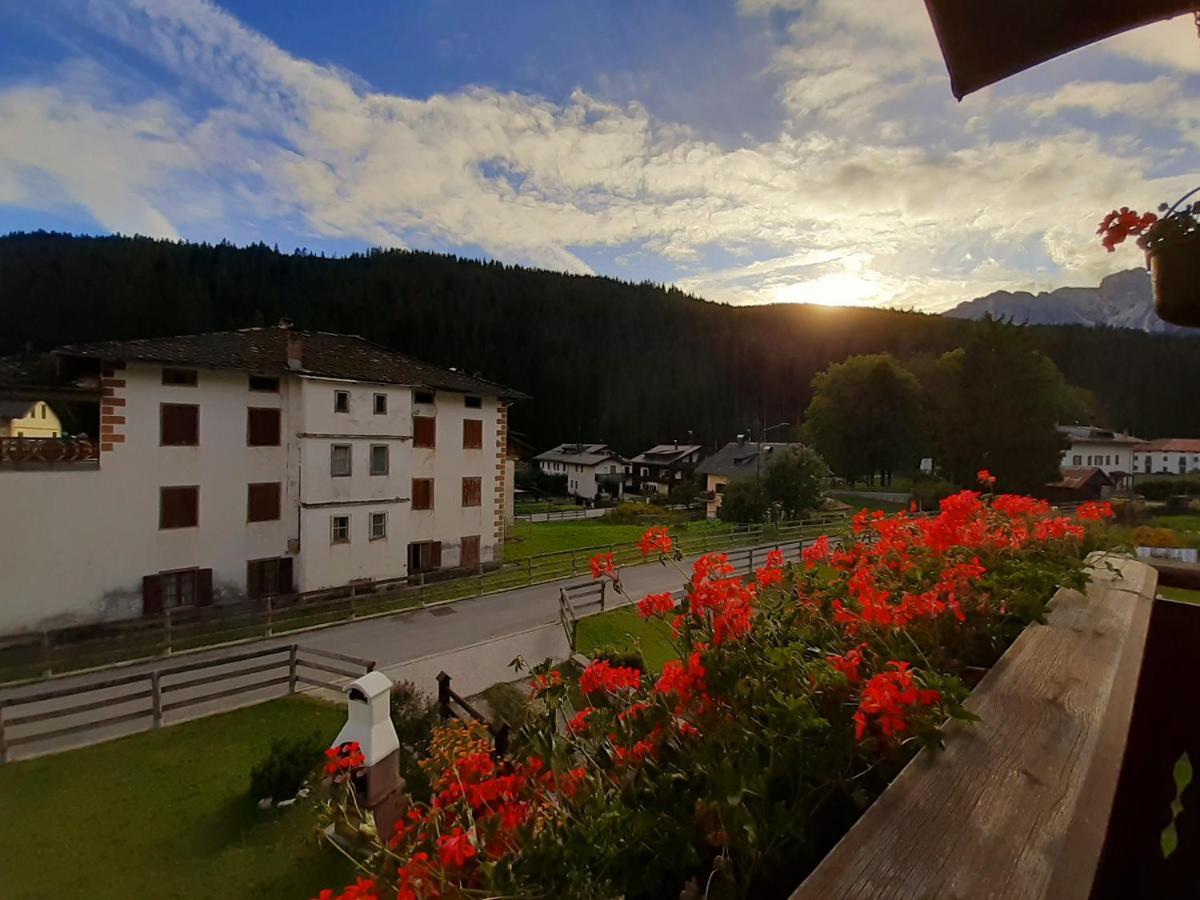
[270,616]
[572,562]
[156,698]
[167,634]
[443,681]
[750,559]
[3,739]
[353,611]
[529,569]
[603,586]
[501,737]
[47,665]
[293,661]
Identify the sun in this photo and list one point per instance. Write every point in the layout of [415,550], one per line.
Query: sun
[845,288]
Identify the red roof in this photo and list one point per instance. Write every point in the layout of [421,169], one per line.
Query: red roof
[1170,445]
[1077,478]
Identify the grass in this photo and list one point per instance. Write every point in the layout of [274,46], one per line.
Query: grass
[1179,523]
[533,538]
[857,502]
[1182,594]
[541,506]
[624,628]
[165,814]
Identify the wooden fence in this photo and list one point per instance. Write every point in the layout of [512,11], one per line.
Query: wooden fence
[45,452]
[157,692]
[38,655]
[451,706]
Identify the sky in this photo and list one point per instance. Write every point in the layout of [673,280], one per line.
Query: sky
[749,151]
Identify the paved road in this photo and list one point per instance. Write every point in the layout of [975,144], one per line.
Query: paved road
[468,638]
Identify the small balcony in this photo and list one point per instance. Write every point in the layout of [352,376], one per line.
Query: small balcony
[25,453]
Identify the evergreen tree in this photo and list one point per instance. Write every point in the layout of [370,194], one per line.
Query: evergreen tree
[792,481]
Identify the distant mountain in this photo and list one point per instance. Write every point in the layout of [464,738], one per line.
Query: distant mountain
[1123,300]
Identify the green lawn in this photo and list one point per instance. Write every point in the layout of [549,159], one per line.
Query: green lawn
[1182,594]
[533,538]
[857,502]
[1179,523]
[165,814]
[623,628]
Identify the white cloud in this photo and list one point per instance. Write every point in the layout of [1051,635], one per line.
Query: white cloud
[857,199]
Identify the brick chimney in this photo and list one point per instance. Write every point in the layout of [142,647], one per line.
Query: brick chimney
[295,350]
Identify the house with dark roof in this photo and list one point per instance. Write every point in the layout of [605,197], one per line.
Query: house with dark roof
[662,467]
[592,470]
[1087,483]
[243,464]
[737,459]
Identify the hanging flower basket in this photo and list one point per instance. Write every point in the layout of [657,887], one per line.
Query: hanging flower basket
[1172,245]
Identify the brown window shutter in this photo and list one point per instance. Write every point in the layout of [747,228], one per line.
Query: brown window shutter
[253,581]
[469,557]
[262,427]
[152,602]
[285,575]
[424,431]
[436,554]
[204,587]
[179,425]
[179,507]
[263,502]
[422,493]
[472,434]
[471,491]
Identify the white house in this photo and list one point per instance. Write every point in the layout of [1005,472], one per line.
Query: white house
[1167,456]
[1109,451]
[589,468]
[662,467]
[245,463]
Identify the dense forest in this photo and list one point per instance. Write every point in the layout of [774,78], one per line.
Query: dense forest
[631,364]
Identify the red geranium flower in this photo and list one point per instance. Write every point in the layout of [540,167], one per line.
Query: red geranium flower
[602,565]
[455,849]
[656,540]
[656,605]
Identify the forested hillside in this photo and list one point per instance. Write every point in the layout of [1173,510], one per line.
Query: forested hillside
[605,360]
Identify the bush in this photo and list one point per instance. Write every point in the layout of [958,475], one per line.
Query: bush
[619,656]
[929,492]
[1162,489]
[286,767]
[627,513]
[509,703]
[414,716]
[744,502]
[1147,536]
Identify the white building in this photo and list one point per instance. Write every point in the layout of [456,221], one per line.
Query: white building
[1109,451]
[590,468]
[1167,456]
[240,464]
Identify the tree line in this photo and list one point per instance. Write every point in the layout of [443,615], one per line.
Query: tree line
[605,360]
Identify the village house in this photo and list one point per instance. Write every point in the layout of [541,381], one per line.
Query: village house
[247,463]
[662,467]
[1167,456]
[737,459]
[591,469]
[1110,451]
[28,418]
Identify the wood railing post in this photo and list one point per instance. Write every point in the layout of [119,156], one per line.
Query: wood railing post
[572,562]
[293,664]
[3,739]
[270,616]
[443,681]
[501,739]
[156,698]
[529,569]
[47,664]
[480,580]
[167,633]
[603,586]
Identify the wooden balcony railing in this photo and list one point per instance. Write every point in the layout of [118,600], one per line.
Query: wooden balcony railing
[1066,785]
[26,452]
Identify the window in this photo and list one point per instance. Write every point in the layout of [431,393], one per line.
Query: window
[267,384]
[339,460]
[339,529]
[378,526]
[381,404]
[179,377]
[473,402]
[179,425]
[341,401]
[178,588]
[422,396]
[472,490]
[424,556]
[266,577]
[422,493]
[472,434]
[42,409]
[178,507]
[469,554]
[262,427]
[379,459]
[424,431]
[263,501]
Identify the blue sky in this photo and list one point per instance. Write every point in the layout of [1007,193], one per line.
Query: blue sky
[753,151]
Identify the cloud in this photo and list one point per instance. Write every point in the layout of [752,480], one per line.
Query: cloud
[860,196]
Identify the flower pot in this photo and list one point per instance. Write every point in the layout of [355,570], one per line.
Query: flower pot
[1175,273]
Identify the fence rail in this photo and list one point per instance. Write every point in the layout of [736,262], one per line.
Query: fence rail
[448,700]
[47,451]
[287,664]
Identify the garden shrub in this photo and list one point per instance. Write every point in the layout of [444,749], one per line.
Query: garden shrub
[288,764]
[414,715]
[628,513]
[1149,536]
[1163,488]
[509,703]
[929,492]
[619,656]
[796,697]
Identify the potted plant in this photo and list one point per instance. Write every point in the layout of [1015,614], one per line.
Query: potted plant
[1172,245]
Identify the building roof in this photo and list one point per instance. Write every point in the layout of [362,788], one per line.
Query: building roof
[1170,445]
[265,351]
[579,454]
[14,409]
[1090,434]
[665,454]
[739,458]
[1073,479]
